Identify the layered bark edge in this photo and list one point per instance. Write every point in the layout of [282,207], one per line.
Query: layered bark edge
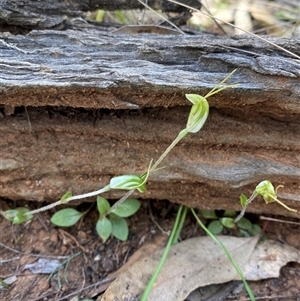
[67,139]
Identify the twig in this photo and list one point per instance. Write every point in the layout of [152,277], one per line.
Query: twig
[156,223]
[278,220]
[83,276]
[64,233]
[42,222]
[161,16]
[246,31]
[28,119]
[27,289]
[9,260]
[33,255]
[106,280]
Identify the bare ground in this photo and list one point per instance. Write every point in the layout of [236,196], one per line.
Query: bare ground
[91,261]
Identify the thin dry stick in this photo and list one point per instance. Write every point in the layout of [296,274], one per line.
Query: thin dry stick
[156,223]
[246,31]
[121,200]
[161,16]
[28,119]
[106,280]
[64,233]
[83,276]
[278,220]
[30,254]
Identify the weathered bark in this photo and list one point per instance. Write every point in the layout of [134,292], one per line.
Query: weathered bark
[70,141]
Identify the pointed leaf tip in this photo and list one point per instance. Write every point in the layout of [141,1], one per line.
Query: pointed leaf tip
[66,217]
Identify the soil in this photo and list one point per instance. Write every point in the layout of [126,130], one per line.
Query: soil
[90,262]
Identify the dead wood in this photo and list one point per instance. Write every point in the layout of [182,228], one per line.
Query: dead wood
[101,104]
[48,14]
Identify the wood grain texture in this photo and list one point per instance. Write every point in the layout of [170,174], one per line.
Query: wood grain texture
[101,105]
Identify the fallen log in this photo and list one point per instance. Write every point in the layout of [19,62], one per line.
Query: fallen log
[89,104]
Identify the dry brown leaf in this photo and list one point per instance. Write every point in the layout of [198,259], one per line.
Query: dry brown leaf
[267,259]
[195,262]
[199,262]
[157,243]
[146,250]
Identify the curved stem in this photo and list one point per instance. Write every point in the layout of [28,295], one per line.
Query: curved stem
[120,201]
[75,197]
[181,135]
[282,204]
[252,197]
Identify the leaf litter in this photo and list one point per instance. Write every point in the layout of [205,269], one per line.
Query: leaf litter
[198,262]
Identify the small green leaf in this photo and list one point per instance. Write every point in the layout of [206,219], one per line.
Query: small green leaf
[66,217]
[215,227]
[120,16]
[208,214]
[128,182]
[244,224]
[102,205]
[104,228]
[127,208]
[99,15]
[244,233]
[229,213]
[65,197]
[243,200]
[119,227]
[227,222]
[18,216]
[255,230]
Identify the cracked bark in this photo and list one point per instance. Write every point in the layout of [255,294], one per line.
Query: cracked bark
[101,104]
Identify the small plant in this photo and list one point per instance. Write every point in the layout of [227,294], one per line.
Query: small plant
[216,226]
[64,265]
[112,219]
[67,217]
[18,215]
[269,194]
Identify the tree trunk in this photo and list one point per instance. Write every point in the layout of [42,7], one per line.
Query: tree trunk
[83,105]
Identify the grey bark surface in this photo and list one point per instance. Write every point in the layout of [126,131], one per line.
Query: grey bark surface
[101,104]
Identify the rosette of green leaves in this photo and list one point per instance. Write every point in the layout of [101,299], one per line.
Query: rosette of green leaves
[112,220]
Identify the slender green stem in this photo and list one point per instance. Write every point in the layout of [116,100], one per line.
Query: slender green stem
[282,204]
[75,197]
[252,197]
[180,136]
[153,168]
[237,268]
[217,88]
[120,201]
[164,256]
[180,226]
